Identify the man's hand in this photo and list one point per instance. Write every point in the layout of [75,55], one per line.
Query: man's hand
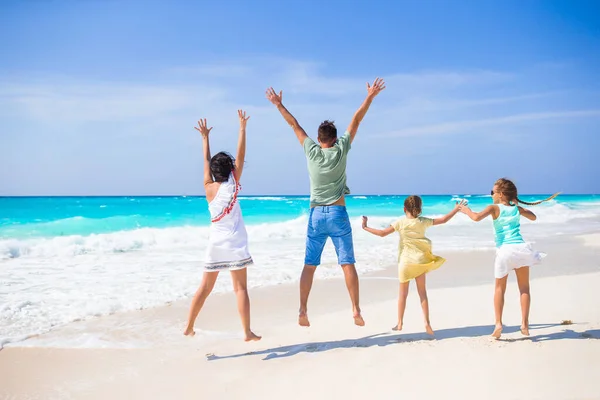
[274,97]
[377,87]
[372,92]
[202,128]
[364,222]
[289,118]
[243,119]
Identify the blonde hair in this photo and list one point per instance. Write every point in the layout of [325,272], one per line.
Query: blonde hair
[509,189]
[413,205]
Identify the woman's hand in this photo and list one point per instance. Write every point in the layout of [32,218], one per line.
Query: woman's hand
[204,131]
[243,119]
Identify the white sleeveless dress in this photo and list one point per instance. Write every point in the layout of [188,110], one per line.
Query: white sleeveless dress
[228,239]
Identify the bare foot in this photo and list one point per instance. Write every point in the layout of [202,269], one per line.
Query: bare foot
[358,320]
[397,327]
[497,332]
[428,329]
[251,337]
[303,319]
[189,331]
[525,330]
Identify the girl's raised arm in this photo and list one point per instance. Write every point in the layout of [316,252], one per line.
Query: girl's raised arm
[489,210]
[241,149]
[448,217]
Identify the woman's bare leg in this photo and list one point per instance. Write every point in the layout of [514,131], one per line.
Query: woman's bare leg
[206,286]
[239,278]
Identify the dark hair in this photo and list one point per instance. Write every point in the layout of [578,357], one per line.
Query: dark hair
[509,189]
[413,205]
[221,165]
[327,132]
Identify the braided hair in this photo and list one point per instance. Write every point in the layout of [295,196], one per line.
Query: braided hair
[413,205]
[508,188]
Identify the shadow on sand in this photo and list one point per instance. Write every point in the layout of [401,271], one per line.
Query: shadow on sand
[384,339]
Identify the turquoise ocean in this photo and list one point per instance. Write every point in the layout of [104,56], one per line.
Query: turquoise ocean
[64,259]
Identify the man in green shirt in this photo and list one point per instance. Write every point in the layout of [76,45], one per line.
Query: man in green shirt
[328,216]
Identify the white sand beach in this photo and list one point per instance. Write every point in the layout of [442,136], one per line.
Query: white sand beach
[143,355]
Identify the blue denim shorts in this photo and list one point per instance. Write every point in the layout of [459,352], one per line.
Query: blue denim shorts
[332,222]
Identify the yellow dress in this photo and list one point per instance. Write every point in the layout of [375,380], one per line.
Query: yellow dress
[414,250]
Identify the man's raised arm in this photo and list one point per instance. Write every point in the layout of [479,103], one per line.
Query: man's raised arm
[372,91]
[289,118]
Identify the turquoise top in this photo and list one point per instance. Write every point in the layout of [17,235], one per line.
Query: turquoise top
[507,226]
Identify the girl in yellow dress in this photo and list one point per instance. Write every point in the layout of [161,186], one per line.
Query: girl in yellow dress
[414,253]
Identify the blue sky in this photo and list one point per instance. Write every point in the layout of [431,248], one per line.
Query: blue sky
[100,97]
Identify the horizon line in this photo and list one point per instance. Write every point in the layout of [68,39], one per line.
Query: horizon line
[282,195]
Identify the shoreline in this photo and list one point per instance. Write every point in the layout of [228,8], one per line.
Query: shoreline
[143,354]
[463,268]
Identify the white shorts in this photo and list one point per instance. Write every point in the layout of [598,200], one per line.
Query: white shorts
[513,256]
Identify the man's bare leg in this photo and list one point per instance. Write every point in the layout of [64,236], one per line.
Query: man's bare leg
[499,291]
[353,289]
[239,279]
[206,286]
[422,289]
[306,280]
[402,295]
[523,282]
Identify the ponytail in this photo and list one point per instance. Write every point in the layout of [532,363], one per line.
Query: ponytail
[535,203]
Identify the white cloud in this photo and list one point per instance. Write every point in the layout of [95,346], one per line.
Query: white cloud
[224,70]
[135,136]
[447,79]
[458,126]
[427,100]
[72,101]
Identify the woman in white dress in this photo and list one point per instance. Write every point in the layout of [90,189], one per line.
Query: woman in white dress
[228,240]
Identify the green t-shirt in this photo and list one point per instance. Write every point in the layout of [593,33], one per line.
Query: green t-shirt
[327,170]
